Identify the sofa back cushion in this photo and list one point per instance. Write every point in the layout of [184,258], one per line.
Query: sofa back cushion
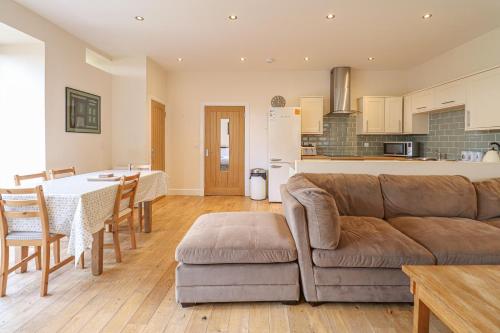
[442,196]
[323,219]
[355,195]
[488,199]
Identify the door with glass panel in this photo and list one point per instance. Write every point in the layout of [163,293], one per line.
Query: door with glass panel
[224,150]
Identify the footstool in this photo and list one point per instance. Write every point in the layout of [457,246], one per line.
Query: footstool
[237,257]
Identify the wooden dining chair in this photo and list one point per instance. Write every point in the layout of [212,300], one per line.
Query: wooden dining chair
[15,208]
[140,205]
[60,173]
[123,210]
[19,178]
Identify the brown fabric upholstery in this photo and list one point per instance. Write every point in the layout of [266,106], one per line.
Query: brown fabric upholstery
[447,196]
[355,195]
[241,293]
[237,237]
[364,294]
[296,219]
[237,274]
[494,222]
[360,277]
[322,215]
[453,241]
[488,199]
[371,242]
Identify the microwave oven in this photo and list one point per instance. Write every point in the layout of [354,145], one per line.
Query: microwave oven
[405,149]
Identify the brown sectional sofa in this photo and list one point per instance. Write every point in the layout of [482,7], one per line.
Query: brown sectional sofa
[381,223]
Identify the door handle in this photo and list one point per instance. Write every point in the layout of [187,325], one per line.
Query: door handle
[276,166]
[275,159]
[206,152]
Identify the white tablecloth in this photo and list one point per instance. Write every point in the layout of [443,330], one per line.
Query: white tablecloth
[78,207]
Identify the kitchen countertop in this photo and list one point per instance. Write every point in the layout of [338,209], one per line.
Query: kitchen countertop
[354,158]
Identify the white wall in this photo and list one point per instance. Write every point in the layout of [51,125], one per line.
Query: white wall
[22,109]
[187,91]
[65,66]
[478,54]
[130,113]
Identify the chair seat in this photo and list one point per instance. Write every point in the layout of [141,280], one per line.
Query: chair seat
[28,236]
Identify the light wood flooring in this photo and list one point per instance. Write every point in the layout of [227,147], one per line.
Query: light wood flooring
[138,294]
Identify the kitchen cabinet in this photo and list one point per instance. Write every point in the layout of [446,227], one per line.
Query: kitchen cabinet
[423,101]
[449,95]
[311,115]
[371,116]
[482,110]
[414,123]
[393,115]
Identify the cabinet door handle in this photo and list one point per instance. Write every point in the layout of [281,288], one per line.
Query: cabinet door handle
[275,159]
[367,125]
[422,107]
[319,125]
[400,127]
[276,166]
[447,102]
[468,118]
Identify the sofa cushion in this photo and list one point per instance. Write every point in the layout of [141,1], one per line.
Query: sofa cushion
[237,237]
[371,242]
[453,241]
[355,195]
[353,276]
[322,214]
[488,198]
[494,222]
[447,196]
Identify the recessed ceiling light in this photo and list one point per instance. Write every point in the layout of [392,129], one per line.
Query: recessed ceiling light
[427,16]
[139,18]
[371,58]
[243,59]
[306,58]
[330,16]
[232,17]
[179,59]
[269,60]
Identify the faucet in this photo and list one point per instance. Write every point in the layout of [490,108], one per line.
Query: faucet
[441,156]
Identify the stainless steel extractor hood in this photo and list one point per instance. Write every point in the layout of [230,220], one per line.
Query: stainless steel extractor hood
[340,90]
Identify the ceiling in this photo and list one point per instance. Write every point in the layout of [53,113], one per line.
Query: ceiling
[199,31]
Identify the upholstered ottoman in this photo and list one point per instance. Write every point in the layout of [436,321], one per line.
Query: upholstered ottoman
[237,257]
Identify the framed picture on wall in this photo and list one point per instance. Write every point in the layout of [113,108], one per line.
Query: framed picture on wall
[83,112]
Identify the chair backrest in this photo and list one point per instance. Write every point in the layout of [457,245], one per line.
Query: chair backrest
[23,203]
[60,173]
[19,178]
[125,195]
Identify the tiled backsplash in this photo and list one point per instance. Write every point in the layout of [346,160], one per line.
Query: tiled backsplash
[446,135]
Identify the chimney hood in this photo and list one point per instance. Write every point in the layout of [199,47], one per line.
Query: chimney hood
[340,91]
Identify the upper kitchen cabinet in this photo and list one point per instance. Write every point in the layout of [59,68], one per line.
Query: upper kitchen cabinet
[422,101]
[371,116]
[449,95]
[414,123]
[482,109]
[393,115]
[312,115]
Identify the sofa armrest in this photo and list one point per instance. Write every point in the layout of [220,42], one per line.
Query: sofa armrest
[296,219]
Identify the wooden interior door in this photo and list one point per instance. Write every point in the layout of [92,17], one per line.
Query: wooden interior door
[224,150]
[157,136]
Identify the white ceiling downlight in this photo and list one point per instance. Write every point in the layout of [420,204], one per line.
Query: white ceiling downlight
[139,18]
[427,16]
[330,16]
[371,58]
[232,17]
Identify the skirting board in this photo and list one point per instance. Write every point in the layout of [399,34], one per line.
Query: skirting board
[185,191]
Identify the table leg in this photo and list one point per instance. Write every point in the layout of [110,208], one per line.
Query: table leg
[420,316]
[97,252]
[148,215]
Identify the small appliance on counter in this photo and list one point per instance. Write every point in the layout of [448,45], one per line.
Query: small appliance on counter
[309,150]
[258,182]
[403,149]
[491,155]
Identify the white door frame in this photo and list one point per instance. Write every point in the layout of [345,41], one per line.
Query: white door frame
[247,143]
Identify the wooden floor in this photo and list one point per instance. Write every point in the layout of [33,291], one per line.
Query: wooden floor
[138,294]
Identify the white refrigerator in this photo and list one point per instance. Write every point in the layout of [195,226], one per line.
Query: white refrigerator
[284,141]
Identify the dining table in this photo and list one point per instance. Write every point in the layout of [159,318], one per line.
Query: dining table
[79,205]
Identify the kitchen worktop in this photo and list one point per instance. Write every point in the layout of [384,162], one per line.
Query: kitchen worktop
[354,158]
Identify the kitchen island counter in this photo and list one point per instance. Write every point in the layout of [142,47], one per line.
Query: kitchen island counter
[475,171]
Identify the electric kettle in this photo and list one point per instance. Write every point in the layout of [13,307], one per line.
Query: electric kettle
[492,155]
